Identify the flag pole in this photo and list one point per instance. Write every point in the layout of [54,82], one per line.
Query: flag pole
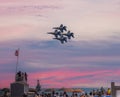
[16,64]
[17,54]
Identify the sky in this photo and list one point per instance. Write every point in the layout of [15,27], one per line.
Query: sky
[91,59]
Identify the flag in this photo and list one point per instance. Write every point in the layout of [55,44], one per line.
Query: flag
[17,53]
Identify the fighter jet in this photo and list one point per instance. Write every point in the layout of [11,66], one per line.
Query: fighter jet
[69,34]
[56,33]
[62,39]
[61,28]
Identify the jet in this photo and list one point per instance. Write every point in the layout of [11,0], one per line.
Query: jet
[62,39]
[56,33]
[69,34]
[61,28]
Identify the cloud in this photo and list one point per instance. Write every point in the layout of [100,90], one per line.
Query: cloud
[64,77]
[90,21]
[26,10]
[91,56]
[55,63]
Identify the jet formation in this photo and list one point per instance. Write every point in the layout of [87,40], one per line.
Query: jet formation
[61,33]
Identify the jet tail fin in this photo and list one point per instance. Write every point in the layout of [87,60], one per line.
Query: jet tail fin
[62,41]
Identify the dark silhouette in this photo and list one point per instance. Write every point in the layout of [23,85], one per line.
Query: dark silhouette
[56,33]
[5,94]
[61,28]
[38,87]
[24,95]
[69,34]
[26,76]
[19,74]
[60,35]
[62,39]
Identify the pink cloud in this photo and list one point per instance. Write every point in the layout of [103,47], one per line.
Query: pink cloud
[6,79]
[65,78]
[14,32]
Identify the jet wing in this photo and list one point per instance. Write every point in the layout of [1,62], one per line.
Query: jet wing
[55,27]
[56,38]
[50,33]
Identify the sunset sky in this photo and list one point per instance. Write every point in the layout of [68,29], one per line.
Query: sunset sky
[91,59]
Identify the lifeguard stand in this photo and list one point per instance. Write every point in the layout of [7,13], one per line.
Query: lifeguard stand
[114,89]
[20,86]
